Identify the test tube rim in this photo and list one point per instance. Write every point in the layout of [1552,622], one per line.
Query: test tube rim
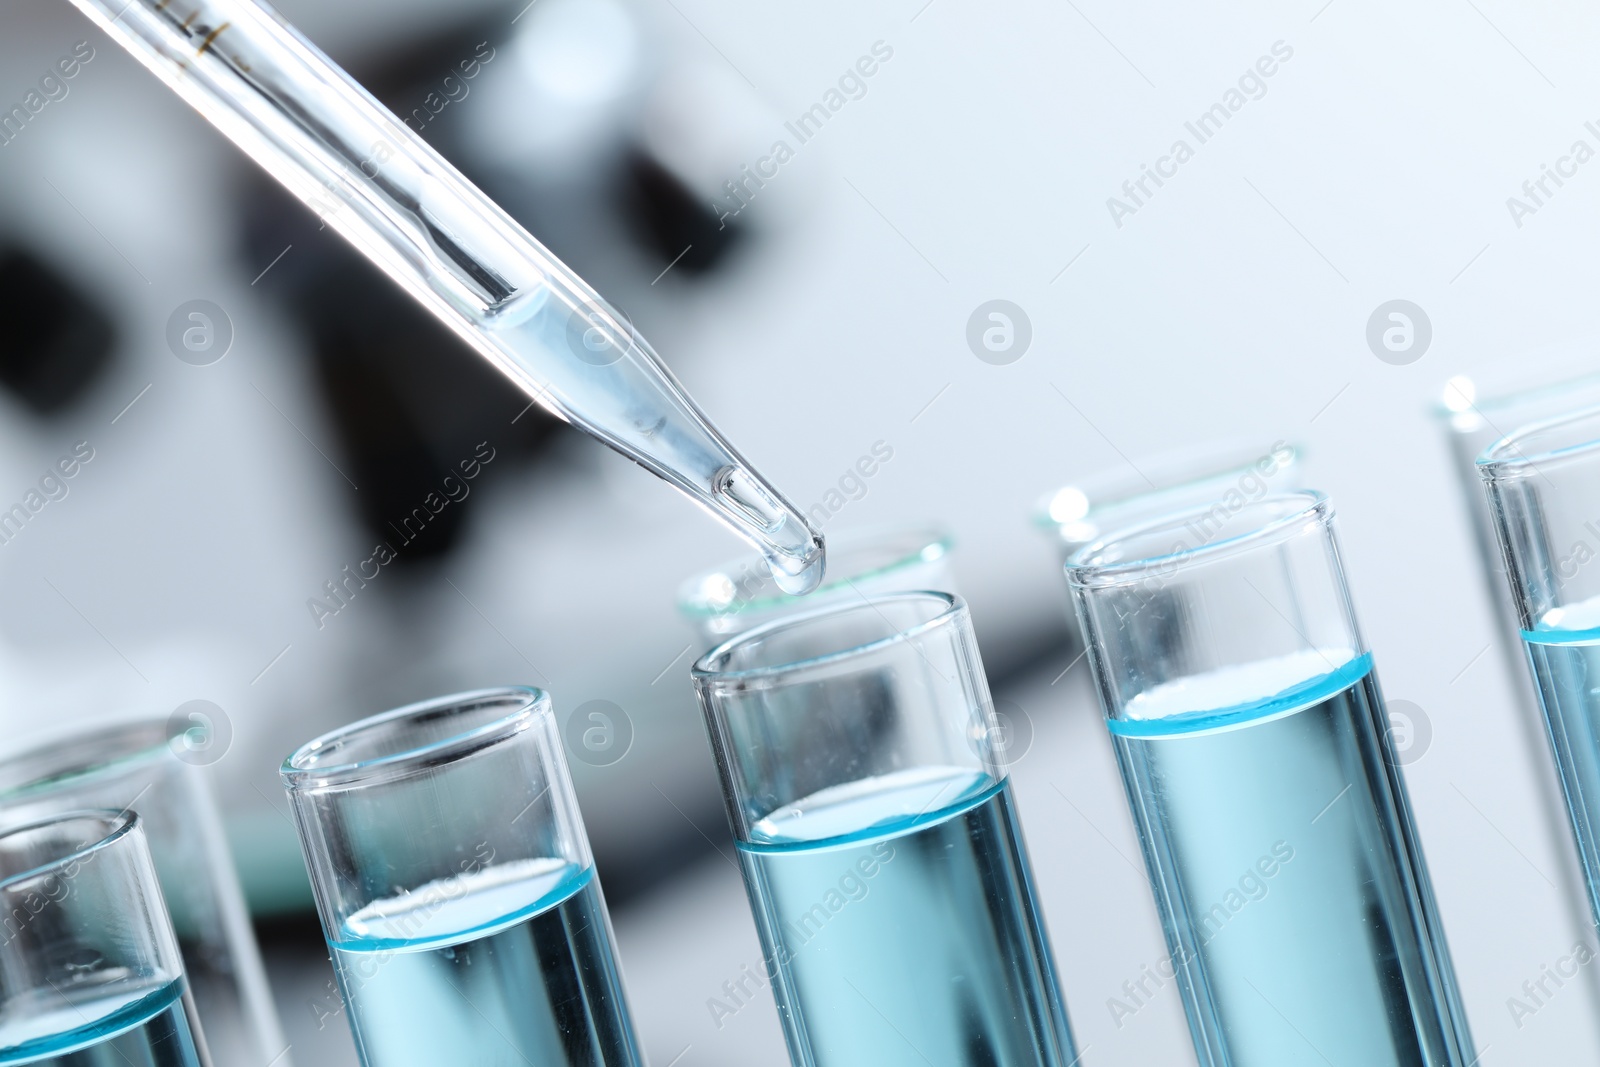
[122,824]
[1504,460]
[1315,509]
[930,535]
[1217,463]
[1496,387]
[706,675]
[107,755]
[302,774]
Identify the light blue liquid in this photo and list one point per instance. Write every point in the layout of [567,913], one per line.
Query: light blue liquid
[898,917]
[1287,871]
[604,378]
[144,1027]
[1566,667]
[510,966]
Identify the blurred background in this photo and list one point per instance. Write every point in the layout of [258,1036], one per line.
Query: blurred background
[820,312]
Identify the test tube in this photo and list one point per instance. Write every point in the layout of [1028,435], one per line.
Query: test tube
[1474,412]
[1543,487]
[1076,514]
[90,972]
[133,765]
[456,887]
[1253,743]
[741,595]
[873,819]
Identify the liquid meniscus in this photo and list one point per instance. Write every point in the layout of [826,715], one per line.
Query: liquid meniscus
[899,922]
[1565,656]
[1289,879]
[143,1025]
[511,965]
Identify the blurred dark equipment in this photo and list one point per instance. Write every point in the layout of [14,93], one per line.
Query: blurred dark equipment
[672,219]
[55,340]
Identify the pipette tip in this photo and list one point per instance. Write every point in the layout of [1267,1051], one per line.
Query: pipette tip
[798,572]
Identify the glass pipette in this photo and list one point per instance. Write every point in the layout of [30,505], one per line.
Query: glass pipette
[316,130]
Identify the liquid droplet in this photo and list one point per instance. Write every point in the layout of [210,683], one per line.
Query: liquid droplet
[798,574]
[793,550]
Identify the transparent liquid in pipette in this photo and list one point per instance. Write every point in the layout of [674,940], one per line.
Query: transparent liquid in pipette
[899,917]
[465,259]
[1565,654]
[146,1026]
[508,966]
[1287,869]
[601,373]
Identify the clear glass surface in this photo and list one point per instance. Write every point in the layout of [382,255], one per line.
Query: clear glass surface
[741,595]
[377,183]
[1542,484]
[456,887]
[1082,511]
[134,766]
[1254,747]
[858,752]
[1475,411]
[1475,417]
[90,972]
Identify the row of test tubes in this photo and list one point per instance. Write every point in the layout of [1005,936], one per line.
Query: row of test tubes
[865,776]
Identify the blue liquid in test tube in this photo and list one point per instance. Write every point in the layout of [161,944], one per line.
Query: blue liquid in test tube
[1253,742]
[879,840]
[511,964]
[90,972]
[1543,486]
[456,888]
[149,1029]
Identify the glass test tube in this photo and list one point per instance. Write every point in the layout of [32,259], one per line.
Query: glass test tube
[134,766]
[879,841]
[1075,515]
[1475,416]
[456,887]
[1475,412]
[741,595]
[1543,487]
[90,973]
[1253,743]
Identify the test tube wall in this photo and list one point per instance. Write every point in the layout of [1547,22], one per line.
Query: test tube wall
[1253,742]
[137,764]
[92,972]
[1542,484]
[457,890]
[861,765]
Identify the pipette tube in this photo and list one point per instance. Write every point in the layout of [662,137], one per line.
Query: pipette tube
[378,184]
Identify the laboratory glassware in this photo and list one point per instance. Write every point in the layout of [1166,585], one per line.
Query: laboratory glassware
[1543,487]
[91,970]
[1078,513]
[135,766]
[456,887]
[1074,515]
[379,185]
[860,764]
[740,595]
[1476,410]
[1474,414]
[1255,749]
